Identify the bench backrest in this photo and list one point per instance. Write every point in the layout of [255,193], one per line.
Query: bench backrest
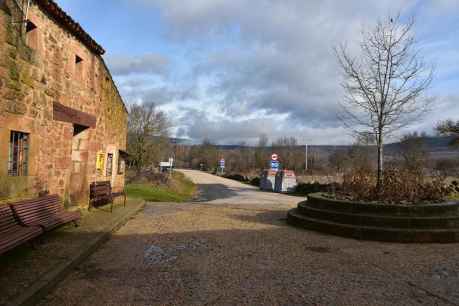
[38,209]
[7,220]
[100,189]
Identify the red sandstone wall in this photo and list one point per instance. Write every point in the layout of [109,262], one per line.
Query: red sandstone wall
[30,81]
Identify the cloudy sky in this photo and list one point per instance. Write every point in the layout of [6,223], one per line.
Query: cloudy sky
[229,70]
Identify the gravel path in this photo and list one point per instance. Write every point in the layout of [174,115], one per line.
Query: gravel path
[226,252]
[217,190]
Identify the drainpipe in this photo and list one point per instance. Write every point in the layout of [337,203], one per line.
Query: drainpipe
[27,12]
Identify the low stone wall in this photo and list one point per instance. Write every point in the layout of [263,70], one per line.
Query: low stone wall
[370,221]
[321,179]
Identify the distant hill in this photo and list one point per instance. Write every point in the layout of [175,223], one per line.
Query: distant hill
[437,146]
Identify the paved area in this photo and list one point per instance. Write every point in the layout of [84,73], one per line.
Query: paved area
[218,190]
[243,253]
[26,268]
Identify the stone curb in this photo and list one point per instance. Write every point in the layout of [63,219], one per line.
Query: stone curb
[43,286]
[319,201]
[375,233]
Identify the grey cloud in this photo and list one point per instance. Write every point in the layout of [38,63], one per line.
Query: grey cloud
[283,63]
[121,65]
[135,90]
[167,94]
[273,57]
[277,82]
[198,126]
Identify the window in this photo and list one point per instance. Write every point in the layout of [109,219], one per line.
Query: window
[18,155]
[109,164]
[121,164]
[31,35]
[78,67]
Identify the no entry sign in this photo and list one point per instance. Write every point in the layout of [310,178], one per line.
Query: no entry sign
[274,162]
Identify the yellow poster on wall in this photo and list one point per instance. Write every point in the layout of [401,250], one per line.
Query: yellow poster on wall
[100,162]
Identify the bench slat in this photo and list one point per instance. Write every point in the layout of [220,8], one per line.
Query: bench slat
[16,235]
[46,212]
[10,244]
[7,219]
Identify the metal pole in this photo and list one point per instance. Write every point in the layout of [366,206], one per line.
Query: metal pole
[306,158]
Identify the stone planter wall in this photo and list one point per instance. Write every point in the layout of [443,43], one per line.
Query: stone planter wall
[370,221]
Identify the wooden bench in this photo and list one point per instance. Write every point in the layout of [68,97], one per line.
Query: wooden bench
[101,193]
[12,234]
[46,212]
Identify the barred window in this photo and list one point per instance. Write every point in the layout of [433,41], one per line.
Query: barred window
[19,154]
[109,164]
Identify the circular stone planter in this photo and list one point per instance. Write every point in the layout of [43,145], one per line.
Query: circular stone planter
[383,222]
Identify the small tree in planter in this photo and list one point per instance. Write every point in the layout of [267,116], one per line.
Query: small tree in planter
[384,85]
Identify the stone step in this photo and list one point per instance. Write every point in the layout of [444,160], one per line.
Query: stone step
[321,201]
[386,221]
[373,232]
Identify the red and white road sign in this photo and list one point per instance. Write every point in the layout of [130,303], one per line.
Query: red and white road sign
[274,156]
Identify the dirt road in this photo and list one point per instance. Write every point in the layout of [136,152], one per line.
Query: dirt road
[243,253]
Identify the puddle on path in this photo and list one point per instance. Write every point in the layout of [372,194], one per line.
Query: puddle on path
[155,254]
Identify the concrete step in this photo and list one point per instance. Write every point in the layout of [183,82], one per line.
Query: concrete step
[294,217]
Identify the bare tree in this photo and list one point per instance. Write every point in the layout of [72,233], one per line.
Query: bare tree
[145,126]
[291,155]
[449,127]
[384,85]
[207,155]
[414,152]
[260,152]
[338,160]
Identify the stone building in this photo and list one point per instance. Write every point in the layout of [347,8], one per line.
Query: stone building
[63,123]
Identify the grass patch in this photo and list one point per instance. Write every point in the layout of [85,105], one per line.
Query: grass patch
[179,189]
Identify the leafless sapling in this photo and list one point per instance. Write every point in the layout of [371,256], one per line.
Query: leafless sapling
[384,84]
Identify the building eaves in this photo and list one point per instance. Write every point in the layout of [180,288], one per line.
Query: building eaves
[62,18]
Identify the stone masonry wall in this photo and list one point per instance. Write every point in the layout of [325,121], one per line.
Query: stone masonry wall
[31,79]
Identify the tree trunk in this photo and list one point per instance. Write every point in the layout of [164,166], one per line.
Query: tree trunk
[380,163]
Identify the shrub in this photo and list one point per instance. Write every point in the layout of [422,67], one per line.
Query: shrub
[400,185]
[236,177]
[255,181]
[359,184]
[454,186]
[148,177]
[447,166]
[307,188]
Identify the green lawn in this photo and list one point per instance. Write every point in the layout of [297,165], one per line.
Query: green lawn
[180,190]
[454,197]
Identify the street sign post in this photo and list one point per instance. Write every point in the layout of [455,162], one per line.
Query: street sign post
[274,162]
[222,165]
